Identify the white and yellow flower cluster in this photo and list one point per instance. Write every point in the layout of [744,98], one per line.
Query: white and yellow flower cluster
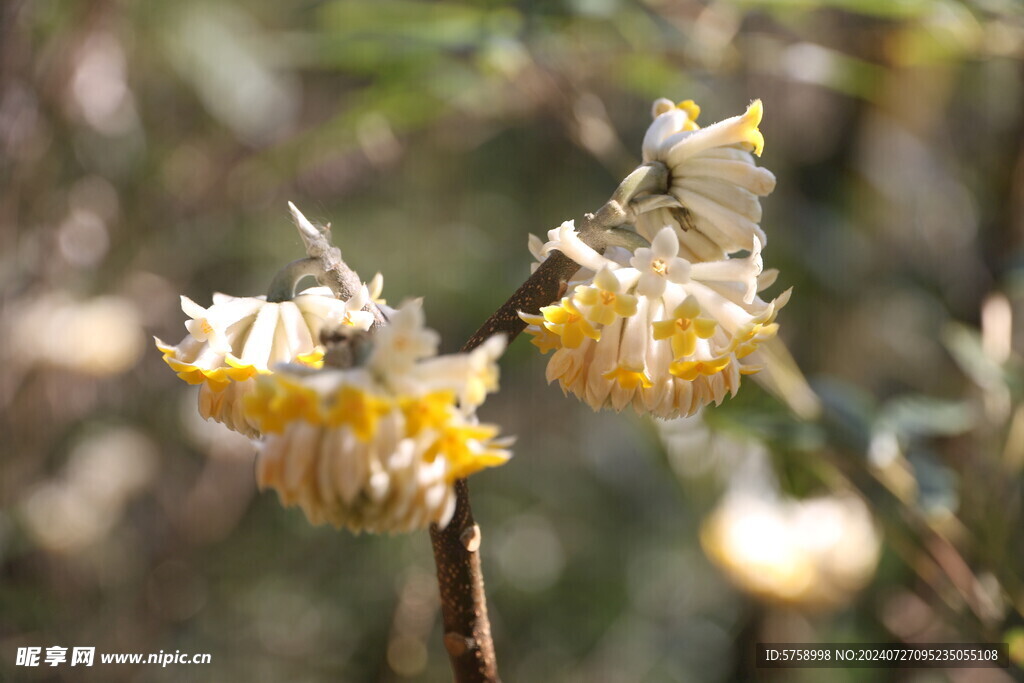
[671,327]
[714,185]
[378,447]
[238,338]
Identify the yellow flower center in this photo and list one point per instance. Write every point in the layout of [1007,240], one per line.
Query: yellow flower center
[659,266]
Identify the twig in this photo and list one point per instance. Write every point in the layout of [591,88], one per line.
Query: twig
[342,280]
[467,629]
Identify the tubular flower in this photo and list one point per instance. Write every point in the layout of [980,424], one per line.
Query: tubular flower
[605,299]
[238,338]
[652,329]
[379,447]
[713,203]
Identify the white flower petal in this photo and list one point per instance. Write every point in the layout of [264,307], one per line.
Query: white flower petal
[261,338]
[752,178]
[662,127]
[572,246]
[678,271]
[191,308]
[730,196]
[651,285]
[665,245]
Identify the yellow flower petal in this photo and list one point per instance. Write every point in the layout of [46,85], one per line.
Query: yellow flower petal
[691,108]
[690,370]
[751,119]
[629,378]
[429,412]
[359,410]
[684,343]
[704,327]
[663,329]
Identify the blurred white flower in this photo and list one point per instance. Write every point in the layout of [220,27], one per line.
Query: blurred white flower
[238,338]
[378,447]
[403,341]
[86,500]
[652,329]
[814,553]
[714,185]
[105,333]
[99,85]
[471,376]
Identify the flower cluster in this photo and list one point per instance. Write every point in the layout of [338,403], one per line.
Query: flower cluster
[238,338]
[713,182]
[378,447]
[814,553]
[670,327]
[370,432]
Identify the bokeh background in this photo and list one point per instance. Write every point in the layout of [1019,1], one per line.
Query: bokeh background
[148,150]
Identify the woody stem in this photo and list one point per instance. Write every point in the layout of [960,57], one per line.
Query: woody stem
[467,629]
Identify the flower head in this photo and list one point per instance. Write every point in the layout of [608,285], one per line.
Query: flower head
[378,447]
[713,180]
[403,342]
[672,326]
[238,338]
[652,329]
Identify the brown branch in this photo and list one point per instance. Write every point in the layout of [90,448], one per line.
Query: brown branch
[467,629]
[540,289]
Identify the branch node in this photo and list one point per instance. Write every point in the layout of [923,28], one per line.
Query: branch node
[471,538]
[342,280]
[458,644]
